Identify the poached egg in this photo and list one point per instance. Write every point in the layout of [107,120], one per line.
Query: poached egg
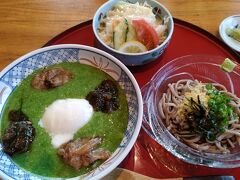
[64,117]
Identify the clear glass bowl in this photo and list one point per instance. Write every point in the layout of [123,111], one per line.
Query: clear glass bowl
[206,69]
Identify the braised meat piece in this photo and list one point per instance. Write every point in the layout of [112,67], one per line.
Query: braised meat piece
[18,137]
[17,115]
[105,97]
[82,152]
[51,78]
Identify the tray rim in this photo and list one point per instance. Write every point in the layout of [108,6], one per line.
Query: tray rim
[175,20]
[223,47]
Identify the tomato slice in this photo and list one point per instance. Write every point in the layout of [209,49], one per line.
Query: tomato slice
[146,34]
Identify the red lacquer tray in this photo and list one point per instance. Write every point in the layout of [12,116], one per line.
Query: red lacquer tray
[148,157]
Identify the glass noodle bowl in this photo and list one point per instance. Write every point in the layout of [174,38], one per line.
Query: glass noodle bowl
[206,69]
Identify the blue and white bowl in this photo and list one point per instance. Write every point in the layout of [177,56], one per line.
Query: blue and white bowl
[14,73]
[133,59]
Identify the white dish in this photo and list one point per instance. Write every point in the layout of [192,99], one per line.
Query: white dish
[230,22]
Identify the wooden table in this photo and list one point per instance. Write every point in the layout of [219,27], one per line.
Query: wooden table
[26,25]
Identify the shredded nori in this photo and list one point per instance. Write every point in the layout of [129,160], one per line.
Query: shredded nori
[212,120]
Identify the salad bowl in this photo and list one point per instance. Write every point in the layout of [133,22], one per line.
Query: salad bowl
[139,58]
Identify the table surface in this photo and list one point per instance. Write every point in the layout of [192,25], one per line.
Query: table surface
[26,25]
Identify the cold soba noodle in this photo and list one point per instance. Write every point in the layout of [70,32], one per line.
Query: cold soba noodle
[204,116]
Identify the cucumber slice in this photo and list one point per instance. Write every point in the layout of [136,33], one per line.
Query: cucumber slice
[119,34]
[131,34]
